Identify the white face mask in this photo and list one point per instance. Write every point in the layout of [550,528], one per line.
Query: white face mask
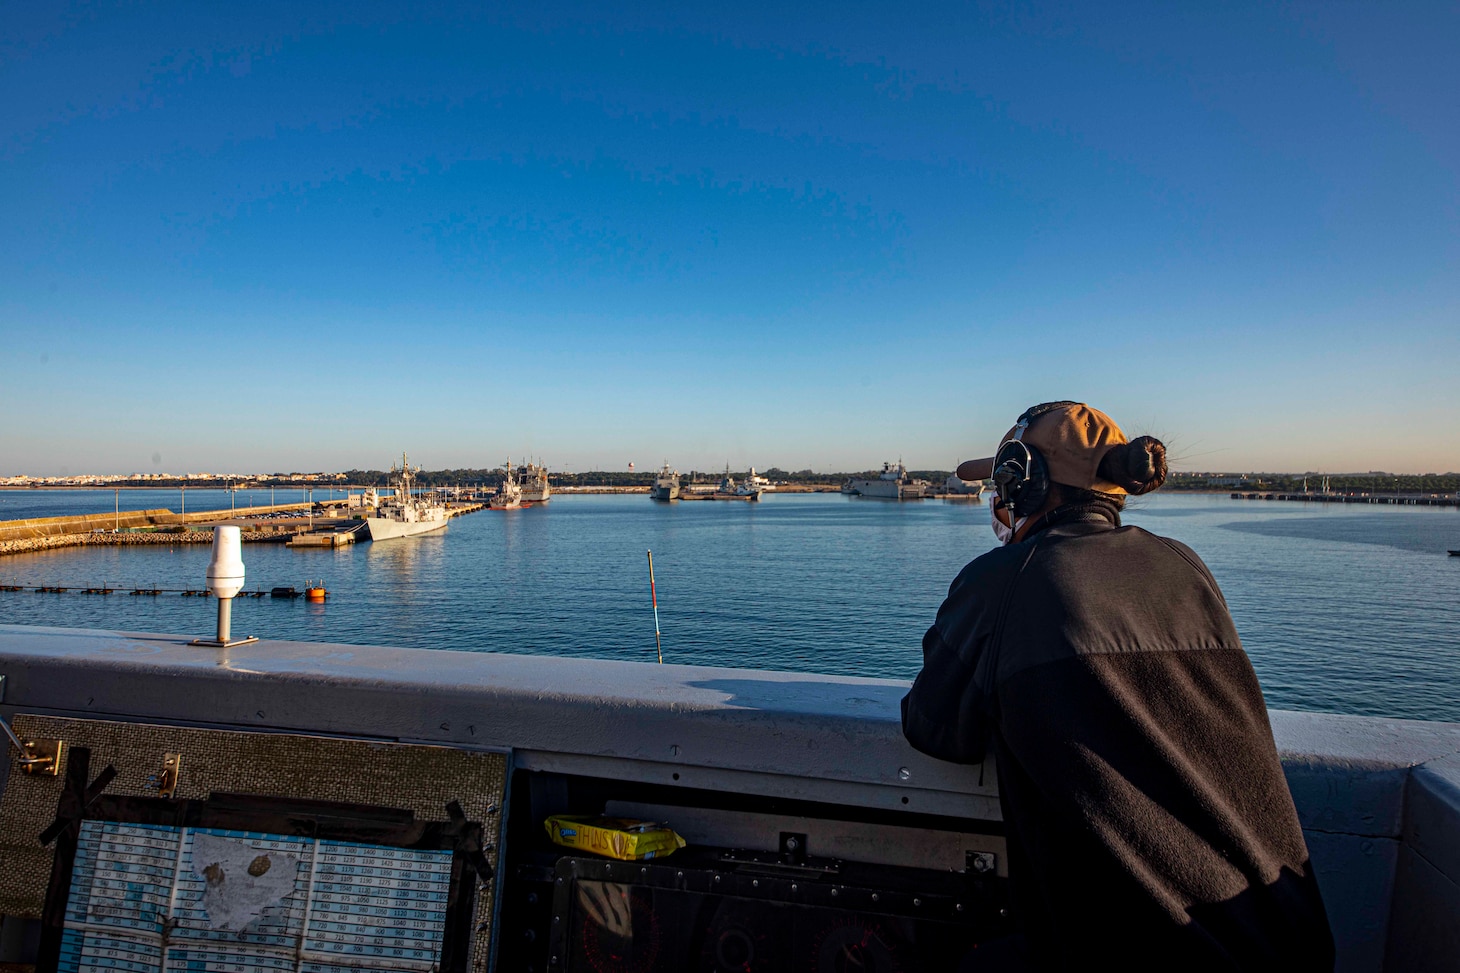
[1003,531]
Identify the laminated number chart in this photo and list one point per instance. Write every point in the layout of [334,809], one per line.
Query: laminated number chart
[151,898]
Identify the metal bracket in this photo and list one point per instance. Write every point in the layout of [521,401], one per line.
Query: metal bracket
[165,781]
[37,756]
[980,862]
[793,847]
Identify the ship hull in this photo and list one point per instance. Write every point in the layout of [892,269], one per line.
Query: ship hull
[658,492]
[887,489]
[384,529]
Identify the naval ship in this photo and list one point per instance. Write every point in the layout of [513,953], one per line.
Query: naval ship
[532,478]
[508,495]
[405,515]
[666,484]
[893,483]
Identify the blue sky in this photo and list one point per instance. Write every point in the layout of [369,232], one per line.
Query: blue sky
[304,236]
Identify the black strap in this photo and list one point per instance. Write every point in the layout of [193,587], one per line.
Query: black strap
[75,799]
[468,841]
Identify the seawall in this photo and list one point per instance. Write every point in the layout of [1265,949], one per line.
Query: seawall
[26,545]
[11,530]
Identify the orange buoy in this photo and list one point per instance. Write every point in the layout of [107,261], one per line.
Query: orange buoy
[314,592]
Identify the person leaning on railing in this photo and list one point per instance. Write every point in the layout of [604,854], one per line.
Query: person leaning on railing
[1148,821]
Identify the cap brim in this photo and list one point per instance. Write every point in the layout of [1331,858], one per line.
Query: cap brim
[976,469]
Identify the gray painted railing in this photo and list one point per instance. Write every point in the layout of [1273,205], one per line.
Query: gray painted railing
[1379,799]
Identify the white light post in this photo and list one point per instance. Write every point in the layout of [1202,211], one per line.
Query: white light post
[225,578]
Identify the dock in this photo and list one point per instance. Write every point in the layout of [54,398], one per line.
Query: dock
[718,496]
[162,526]
[333,536]
[1392,499]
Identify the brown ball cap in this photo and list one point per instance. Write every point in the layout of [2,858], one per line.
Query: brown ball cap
[1074,439]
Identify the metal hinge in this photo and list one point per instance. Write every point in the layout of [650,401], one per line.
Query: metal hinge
[37,756]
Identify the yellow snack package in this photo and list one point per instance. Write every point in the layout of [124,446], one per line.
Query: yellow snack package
[622,838]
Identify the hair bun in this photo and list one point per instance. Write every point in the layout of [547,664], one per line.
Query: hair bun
[1138,466]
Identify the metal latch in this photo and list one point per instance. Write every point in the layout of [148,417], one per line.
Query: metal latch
[37,756]
[164,782]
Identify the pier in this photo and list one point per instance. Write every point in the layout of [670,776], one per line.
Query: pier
[1394,499]
[162,526]
[12,530]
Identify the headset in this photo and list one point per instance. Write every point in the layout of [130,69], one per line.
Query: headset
[1021,475]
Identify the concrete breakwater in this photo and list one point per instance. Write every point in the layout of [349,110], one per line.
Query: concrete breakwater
[26,545]
[85,523]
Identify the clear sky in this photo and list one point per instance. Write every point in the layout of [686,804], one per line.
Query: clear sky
[306,236]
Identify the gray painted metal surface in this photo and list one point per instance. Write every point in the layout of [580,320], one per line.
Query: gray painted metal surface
[1379,799]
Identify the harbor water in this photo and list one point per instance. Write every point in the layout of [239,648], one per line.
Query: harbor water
[1343,608]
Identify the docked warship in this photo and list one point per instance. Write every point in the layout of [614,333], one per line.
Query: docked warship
[532,480]
[666,484]
[893,483]
[405,515]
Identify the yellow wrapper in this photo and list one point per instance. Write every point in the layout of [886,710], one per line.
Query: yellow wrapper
[621,838]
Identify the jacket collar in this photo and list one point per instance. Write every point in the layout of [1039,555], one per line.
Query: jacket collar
[1083,512]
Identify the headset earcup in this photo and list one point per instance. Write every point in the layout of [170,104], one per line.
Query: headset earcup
[1035,489]
[1009,476]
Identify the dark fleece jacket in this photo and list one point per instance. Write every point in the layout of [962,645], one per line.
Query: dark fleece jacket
[1148,819]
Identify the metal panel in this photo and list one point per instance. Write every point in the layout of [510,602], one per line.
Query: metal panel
[419,779]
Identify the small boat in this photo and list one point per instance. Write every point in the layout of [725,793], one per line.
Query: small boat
[1455,553]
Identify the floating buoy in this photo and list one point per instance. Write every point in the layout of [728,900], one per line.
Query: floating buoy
[314,592]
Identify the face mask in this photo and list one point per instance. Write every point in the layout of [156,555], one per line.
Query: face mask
[1003,531]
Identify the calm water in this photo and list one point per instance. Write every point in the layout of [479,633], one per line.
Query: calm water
[1343,608]
[24,504]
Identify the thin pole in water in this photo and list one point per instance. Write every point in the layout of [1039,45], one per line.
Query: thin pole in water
[654,597]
